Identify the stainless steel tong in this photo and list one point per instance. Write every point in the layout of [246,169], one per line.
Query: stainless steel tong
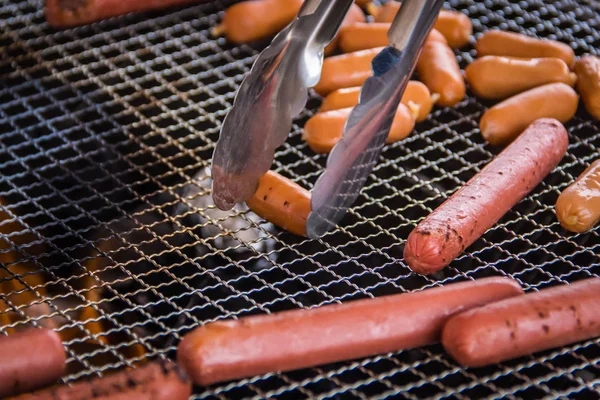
[276,91]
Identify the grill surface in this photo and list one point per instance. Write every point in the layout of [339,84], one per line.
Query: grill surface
[102,128]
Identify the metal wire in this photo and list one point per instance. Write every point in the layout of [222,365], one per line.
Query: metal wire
[103,126]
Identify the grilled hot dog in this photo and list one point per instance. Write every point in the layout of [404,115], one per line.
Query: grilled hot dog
[503,122]
[440,72]
[282,202]
[354,16]
[362,36]
[29,360]
[525,324]
[500,43]
[155,381]
[496,77]
[324,130]
[578,206]
[477,206]
[226,350]
[416,93]
[588,83]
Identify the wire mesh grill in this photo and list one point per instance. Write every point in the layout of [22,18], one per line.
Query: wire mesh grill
[102,128]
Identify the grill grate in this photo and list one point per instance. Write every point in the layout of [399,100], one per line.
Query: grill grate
[102,128]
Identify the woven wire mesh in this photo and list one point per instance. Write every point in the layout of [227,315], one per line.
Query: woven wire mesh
[102,128]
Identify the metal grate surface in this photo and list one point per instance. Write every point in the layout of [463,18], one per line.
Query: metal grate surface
[102,128]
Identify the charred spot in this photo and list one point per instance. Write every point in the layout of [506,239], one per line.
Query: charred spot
[426,233]
[500,173]
[460,238]
[512,335]
[507,323]
[546,328]
[541,314]
[286,203]
[572,308]
[131,383]
[579,324]
[265,197]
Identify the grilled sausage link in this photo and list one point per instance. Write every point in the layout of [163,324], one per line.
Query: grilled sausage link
[497,77]
[502,123]
[588,83]
[472,210]
[226,350]
[29,360]
[578,206]
[524,325]
[439,70]
[500,43]
[155,381]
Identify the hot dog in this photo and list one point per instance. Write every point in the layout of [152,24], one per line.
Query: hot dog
[503,122]
[253,20]
[282,202]
[416,93]
[578,206]
[354,16]
[322,131]
[346,70]
[455,26]
[362,36]
[439,70]
[155,381]
[588,83]
[526,324]
[500,43]
[226,350]
[61,14]
[496,77]
[477,206]
[29,360]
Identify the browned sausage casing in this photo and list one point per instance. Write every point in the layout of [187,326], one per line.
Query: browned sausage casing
[155,381]
[473,209]
[226,350]
[578,206]
[588,83]
[526,324]
[29,360]
[355,15]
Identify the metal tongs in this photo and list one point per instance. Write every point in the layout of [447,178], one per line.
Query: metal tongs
[276,91]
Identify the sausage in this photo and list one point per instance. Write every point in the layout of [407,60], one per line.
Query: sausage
[253,20]
[500,43]
[63,14]
[455,26]
[30,359]
[346,70]
[439,70]
[588,83]
[354,16]
[282,202]
[503,122]
[578,206]
[480,203]
[162,380]
[497,77]
[416,93]
[362,36]
[323,130]
[288,340]
[524,325]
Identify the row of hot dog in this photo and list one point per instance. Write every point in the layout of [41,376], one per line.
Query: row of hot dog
[478,322]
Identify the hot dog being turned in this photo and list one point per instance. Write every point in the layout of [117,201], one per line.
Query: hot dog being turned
[480,203]
[526,324]
[226,350]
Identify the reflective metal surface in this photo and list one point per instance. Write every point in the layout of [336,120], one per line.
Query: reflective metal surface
[352,159]
[269,98]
